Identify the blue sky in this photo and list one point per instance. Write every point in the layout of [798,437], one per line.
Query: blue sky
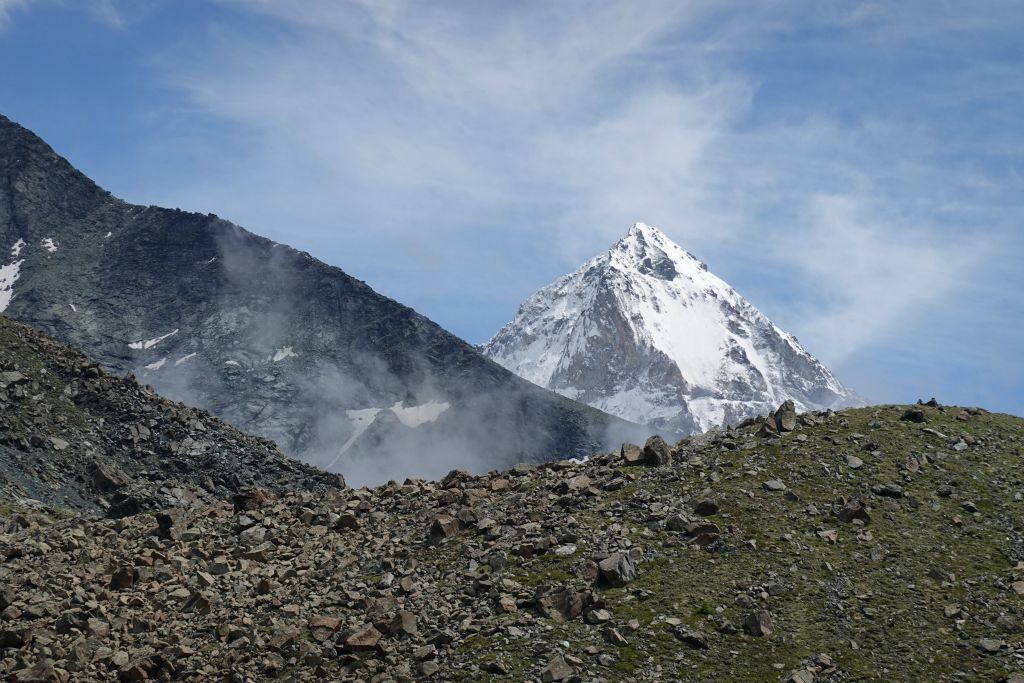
[854,169]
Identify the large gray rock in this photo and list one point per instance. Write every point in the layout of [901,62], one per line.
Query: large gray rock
[617,569]
[785,417]
[657,452]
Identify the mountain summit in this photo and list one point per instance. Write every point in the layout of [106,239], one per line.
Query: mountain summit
[645,332]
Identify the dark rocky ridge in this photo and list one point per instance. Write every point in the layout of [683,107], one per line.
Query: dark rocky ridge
[268,338]
[73,436]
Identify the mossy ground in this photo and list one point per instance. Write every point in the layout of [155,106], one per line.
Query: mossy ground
[866,600]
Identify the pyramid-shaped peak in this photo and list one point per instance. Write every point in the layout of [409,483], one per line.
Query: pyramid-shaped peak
[645,231]
[641,237]
[648,250]
[23,154]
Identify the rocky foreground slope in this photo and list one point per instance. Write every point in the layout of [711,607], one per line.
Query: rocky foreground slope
[882,543]
[73,436]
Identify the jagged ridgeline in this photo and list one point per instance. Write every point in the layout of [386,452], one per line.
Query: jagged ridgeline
[266,337]
[880,543]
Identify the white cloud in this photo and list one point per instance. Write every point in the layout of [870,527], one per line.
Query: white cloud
[106,11]
[460,142]
[7,8]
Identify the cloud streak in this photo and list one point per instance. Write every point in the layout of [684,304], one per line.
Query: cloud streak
[853,169]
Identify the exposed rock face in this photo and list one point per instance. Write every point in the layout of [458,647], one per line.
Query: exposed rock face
[266,337]
[645,332]
[123,448]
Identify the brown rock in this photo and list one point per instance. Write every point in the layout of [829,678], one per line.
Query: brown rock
[588,571]
[632,454]
[251,498]
[557,670]
[363,638]
[442,527]
[106,478]
[325,621]
[404,622]
[122,578]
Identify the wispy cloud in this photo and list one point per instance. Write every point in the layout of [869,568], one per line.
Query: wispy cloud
[109,12]
[7,8]
[853,169]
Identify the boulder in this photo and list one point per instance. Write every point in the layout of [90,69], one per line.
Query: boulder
[759,623]
[706,504]
[785,417]
[632,454]
[362,639]
[657,452]
[556,670]
[443,526]
[107,478]
[617,570]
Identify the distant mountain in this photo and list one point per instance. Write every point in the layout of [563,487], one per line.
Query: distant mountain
[645,332]
[266,337]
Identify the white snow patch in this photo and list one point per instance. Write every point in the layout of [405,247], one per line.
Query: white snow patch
[149,343]
[232,362]
[49,245]
[8,274]
[410,416]
[16,249]
[414,416]
[107,236]
[184,359]
[73,308]
[157,365]
[282,353]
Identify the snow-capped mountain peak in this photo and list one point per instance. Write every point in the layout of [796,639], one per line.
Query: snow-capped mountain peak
[646,332]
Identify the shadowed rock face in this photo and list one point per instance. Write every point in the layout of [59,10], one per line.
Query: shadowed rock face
[262,335]
[74,436]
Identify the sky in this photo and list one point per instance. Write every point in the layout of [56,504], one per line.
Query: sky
[854,169]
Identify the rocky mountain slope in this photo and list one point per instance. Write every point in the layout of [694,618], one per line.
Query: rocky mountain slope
[75,437]
[645,332]
[268,338]
[881,543]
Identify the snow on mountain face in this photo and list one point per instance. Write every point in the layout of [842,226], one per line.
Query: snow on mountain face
[645,332]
